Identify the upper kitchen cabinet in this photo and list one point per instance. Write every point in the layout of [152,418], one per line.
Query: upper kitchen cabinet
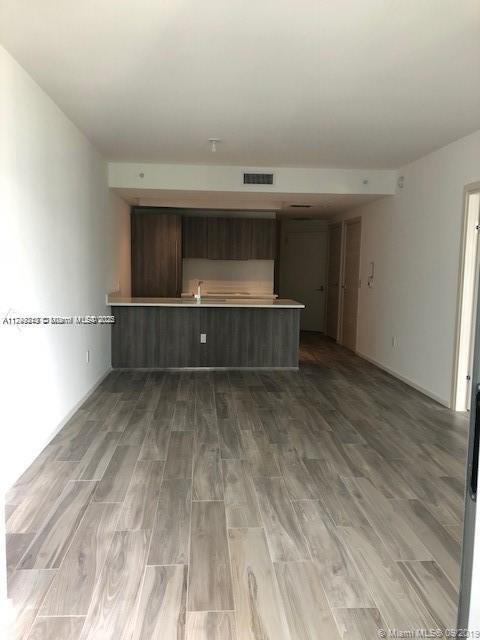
[195,237]
[156,239]
[221,238]
[230,238]
[264,239]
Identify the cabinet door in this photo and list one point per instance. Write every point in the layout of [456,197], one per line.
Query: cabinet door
[264,239]
[218,238]
[240,238]
[156,254]
[229,238]
[195,237]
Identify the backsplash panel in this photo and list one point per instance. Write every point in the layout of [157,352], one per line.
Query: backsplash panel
[228,276]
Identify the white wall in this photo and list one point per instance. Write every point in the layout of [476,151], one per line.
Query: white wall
[64,244]
[414,239]
[187,177]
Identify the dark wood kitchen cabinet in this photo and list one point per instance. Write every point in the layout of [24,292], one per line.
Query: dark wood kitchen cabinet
[229,238]
[195,237]
[217,240]
[264,239]
[156,241]
[222,238]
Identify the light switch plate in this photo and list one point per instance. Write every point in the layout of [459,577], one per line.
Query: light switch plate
[203,338]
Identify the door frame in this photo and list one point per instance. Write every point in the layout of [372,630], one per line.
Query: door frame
[345,223]
[469,189]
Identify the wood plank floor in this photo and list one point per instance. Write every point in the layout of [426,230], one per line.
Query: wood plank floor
[309,505]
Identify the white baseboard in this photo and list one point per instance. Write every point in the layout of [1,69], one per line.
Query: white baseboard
[63,422]
[426,392]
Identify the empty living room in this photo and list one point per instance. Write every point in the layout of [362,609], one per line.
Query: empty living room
[239,319]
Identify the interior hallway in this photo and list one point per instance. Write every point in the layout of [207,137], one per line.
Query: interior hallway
[218,505]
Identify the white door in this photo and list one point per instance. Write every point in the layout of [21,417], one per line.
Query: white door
[303,275]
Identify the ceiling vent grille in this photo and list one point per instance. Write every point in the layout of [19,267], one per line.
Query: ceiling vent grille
[257,178]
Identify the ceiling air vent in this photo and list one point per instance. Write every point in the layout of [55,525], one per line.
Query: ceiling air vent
[257,178]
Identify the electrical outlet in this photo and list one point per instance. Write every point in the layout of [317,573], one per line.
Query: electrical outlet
[394,342]
[203,338]
[87,356]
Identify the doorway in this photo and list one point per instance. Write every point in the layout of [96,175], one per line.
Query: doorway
[303,275]
[351,283]
[467,303]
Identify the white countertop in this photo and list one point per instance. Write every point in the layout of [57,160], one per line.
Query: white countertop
[278,303]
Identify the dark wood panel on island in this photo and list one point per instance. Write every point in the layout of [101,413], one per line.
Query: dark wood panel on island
[169,337]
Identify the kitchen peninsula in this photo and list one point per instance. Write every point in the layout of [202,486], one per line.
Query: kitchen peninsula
[172,333]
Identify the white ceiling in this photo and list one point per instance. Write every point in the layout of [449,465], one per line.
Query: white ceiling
[339,83]
[322,205]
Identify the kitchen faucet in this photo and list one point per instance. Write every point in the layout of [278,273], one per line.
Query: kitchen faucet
[198,295]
